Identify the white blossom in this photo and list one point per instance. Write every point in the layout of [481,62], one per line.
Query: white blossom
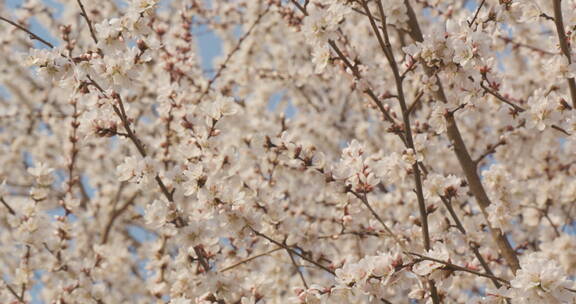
[541,280]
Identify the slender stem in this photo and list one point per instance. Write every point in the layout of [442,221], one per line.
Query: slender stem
[292,251]
[32,35]
[357,75]
[234,51]
[555,127]
[552,224]
[85,15]
[364,200]
[387,50]
[250,259]
[14,293]
[3,201]
[475,249]
[466,163]
[121,112]
[300,7]
[473,246]
[459,268]
[491,149]
[297,269]
[518,44]
[114,215]
[564,46]
[448,204]
[416,102]
[476,14]
[368,91]
[502,98]
[470,171]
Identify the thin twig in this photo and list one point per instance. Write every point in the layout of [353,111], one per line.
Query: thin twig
[236,49]
[473,246]
[564,46]
[502,98]
[387,50]
[556,231]
[476,14]
[7,206]
[32,35]
[14,293]
[363,198]
[293,251]
[448,204]
[518,44]
[300,7]
[415,102]
[455,267]
[475,185]
[121,112]
[114,215]
[555,127]
[297,268]
[249,259]
[368,91]
[491,149]
[85,15]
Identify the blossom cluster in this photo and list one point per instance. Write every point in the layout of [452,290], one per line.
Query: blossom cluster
[333,151]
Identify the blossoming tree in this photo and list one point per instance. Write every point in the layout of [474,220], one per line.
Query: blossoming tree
[420,151]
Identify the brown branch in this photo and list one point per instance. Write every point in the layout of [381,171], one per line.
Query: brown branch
[518,44]
[356,74]
[292,251]
[74,150]
[249,259]
[14,293]
[455,267]
[368,91]
[202,258]
[363,198]
[555,127]
[380,106]
[448,204]
[115,214]
[236,49]
[473,246]
[501,98]
[32,35]
[3,201]
[556,231]
[466,163]
[475,185]
[300,7]
[491,149]
[85,15]
[564,46]
[297,269]
[416,102]
[121,112]
[387,50]
[476,14]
